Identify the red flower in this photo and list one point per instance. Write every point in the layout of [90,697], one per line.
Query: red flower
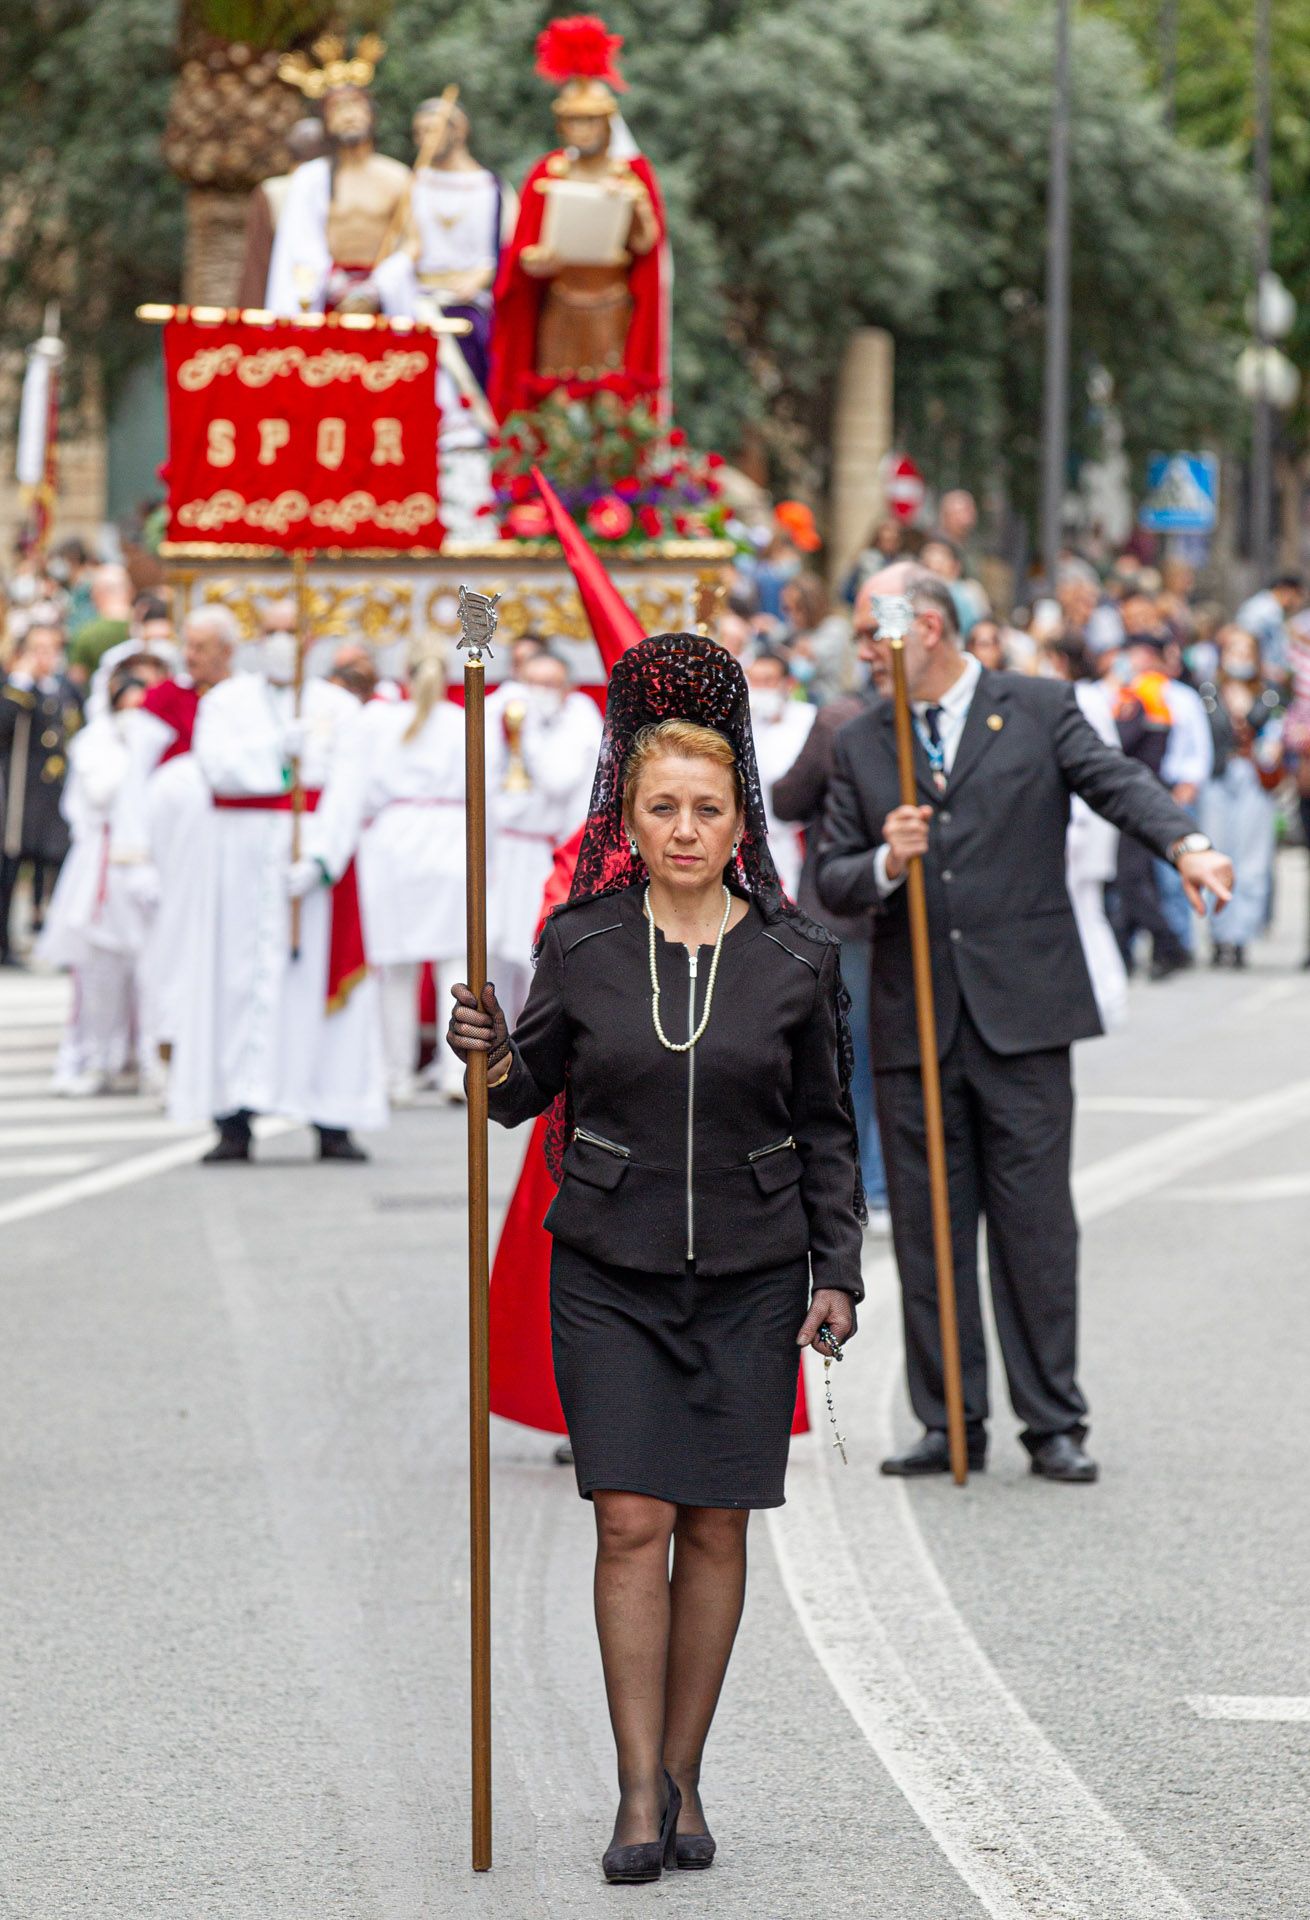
[714,488]
[677,438]
[651,522]
[715,460]
[529,521]
[627,487]
[682,525]
[521,488]
[482,512]
[609,517]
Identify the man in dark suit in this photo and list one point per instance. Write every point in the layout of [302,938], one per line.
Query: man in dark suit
[998,756]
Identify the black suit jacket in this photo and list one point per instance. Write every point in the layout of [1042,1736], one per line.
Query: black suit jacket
[744,1145]
[1004,941]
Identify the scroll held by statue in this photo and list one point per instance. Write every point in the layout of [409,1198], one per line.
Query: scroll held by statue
[303,437]
[585,224]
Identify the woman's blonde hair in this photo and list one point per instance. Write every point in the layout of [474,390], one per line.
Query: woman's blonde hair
[427,683]
[688,741]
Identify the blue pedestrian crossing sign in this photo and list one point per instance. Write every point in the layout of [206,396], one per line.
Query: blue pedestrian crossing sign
[1182,493]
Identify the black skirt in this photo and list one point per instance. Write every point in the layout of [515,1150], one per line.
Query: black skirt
[678,1387]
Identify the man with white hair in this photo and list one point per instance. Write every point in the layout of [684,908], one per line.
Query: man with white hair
[264,1028]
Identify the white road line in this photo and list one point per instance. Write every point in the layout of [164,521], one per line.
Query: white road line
[1143,1103]
[1282,1186]
[92,1133]
[124,1172]
[38,1168]
[1250,1706]
[98,1106]
[1006,1809]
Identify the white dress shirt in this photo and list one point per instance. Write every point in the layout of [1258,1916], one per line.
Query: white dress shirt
[953,711]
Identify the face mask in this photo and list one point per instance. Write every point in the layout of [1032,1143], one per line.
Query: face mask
[544,702]
[59,570]
[1202,659]
[275,657]
[1123,670]
[802,669]
[1240,669]
[22,591]
[766,705]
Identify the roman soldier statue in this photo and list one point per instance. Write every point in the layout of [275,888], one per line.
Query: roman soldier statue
[582,292]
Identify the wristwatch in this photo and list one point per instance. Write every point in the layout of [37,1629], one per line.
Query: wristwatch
[1190,843]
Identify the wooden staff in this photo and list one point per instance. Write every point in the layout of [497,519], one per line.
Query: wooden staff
[477,615]
[299,576]
[930,1074]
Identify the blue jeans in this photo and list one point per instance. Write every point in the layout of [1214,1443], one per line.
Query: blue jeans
[1173,901]
[856,968]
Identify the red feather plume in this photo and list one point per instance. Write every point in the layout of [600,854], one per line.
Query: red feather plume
[579,48]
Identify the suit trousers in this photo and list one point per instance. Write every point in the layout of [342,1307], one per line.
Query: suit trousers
[1009,1131]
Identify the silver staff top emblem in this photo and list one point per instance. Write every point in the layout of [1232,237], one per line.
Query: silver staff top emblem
[895,615]
[477,620]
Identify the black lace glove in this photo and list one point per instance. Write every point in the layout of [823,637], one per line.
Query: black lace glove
[478,1028]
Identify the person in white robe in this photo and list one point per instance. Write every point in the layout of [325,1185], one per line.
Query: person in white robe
[257,1032]
[402,797]
[103,902]
[541,762]
[781,726]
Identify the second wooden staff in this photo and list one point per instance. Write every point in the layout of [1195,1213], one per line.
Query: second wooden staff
[930,1072]
[477,614]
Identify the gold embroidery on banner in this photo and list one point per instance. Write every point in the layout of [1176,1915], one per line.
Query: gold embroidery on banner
[321,369]
[378,612]
[279,515]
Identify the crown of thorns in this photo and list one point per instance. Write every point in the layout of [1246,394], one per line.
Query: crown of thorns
[329,68]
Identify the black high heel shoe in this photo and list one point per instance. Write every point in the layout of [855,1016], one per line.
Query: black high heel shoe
[647,1859]
[695,1851]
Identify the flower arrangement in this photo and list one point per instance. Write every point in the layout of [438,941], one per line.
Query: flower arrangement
[624,474]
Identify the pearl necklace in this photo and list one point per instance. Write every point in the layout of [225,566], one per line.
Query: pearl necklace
[683,1046]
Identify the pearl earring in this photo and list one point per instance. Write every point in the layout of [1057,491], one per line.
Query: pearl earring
[736,848]
[632,846]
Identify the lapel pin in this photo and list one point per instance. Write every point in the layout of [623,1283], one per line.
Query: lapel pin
[995,722]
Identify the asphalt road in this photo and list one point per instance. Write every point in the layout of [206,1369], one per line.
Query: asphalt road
[233,1632]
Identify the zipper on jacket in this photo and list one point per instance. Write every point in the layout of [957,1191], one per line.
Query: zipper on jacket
[762,1153]
[693,960]
[599,1140]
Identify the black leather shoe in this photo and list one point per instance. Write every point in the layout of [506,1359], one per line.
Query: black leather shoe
[1063,1457]
[233,1142]
[932,1454]
[695,1851]
[1165,965]
[334,1143]
[647,1859]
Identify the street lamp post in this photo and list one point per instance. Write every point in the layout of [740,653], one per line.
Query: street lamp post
[1262,425]
[1055,411]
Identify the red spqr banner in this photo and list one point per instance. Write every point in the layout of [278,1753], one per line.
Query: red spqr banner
[301,436]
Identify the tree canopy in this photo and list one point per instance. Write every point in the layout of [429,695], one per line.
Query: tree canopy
[827,166]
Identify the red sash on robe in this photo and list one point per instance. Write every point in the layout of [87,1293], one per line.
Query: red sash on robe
[177,707]
[347,963]
[513,381]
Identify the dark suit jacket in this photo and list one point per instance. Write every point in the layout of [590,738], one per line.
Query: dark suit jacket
[745,1143]
[1004,941]
[801,794]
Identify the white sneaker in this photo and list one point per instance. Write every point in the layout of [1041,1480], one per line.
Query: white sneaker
[880,1223]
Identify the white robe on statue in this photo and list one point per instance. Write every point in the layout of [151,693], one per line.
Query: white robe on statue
[254,1032]
[302,260]
[406,799]
[523,829]
[777,747]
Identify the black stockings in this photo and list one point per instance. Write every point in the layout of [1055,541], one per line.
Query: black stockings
[665,1640]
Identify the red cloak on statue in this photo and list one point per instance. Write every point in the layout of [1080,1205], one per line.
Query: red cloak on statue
[514,382]
[522,1368]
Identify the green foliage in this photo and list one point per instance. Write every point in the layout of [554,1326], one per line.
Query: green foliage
[1215,111]
[885,164]
[826,166]
[88,214]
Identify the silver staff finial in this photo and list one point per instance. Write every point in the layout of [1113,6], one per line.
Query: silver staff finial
[895,615]
[477,621]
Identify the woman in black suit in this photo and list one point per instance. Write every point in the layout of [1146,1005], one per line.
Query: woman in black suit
[686,1023]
